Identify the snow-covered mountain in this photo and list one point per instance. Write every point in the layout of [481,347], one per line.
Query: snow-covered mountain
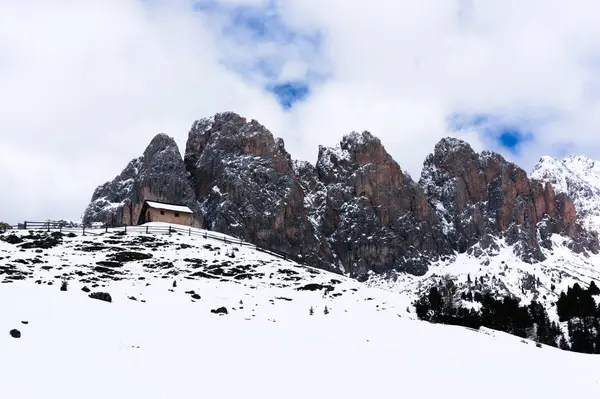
[355,210]
[195,316]
[579,178]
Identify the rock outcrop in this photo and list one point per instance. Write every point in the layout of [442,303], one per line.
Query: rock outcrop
[245,180]
[355,210]
[579,178]
[373,215]
[158,175]
[478,196]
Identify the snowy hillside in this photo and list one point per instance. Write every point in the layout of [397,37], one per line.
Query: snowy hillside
[160,337]
[579,177]
[502,272]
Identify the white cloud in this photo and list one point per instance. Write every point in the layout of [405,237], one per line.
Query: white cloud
[86,84]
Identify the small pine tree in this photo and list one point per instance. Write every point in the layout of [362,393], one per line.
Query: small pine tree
[311,311]
[593,289]
[174,283]
[326,310]
[64,286]
[241,302]
[469,278]
[563,344]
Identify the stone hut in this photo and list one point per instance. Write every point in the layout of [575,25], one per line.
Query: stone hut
[153,211]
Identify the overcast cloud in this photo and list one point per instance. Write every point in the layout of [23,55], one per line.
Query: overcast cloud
[86,84]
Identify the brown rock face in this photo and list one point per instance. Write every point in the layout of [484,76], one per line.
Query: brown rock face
[246,183]
[375,217]
[158,175]
[483,194]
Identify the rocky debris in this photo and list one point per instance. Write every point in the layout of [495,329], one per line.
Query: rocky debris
[158,175]
[15,333]
[245,181]
[477,196]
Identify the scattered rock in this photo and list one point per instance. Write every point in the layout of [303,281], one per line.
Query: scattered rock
[315,287]
[220,311]
[12,239]
[15,333]
[103,296]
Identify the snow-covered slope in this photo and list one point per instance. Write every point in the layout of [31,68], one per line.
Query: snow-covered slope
[579,177]
[502,273]
[157,339]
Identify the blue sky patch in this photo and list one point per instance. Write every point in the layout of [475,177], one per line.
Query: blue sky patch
[504,133]
[268,43]
[288,93]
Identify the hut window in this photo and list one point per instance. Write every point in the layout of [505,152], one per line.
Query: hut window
[162,212]
[176,214]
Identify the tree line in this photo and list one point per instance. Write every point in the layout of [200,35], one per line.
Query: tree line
[576,308]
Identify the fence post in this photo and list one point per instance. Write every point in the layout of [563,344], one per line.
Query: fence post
[25,225]
[106,229]
[48,227]
[83,229]
[125,229]
[190,233]
[146,229]
[169,230]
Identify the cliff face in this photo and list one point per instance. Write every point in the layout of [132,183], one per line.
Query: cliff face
[245,180]
[355,210]
[479,196]
[158,175]
[372,214]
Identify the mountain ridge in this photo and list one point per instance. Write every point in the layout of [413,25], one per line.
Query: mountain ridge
[355,210]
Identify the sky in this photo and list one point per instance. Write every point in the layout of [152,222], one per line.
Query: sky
[86,84]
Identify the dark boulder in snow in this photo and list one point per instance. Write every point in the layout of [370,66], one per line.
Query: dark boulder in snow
[12,239]
[15,333]
[103,296]
[222,310]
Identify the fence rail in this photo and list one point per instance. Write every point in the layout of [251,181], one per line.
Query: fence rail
[167,230]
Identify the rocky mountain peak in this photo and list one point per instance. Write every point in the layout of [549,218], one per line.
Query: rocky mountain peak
[482,195]
[355,210]
[245,180]
[364,198]
[578,177]
[158,175]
